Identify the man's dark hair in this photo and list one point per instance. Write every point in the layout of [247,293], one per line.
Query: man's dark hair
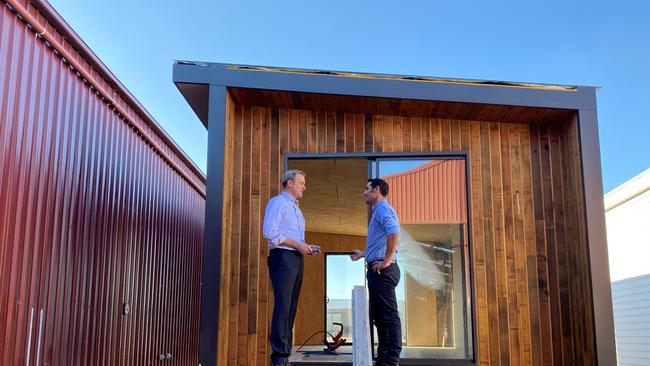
[378,182]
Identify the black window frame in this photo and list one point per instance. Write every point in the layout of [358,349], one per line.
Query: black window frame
[470,305]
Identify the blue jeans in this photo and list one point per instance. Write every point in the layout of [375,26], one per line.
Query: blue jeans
[286,270]
[384,314]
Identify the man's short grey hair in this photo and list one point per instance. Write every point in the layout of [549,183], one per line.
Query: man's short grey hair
[291,175]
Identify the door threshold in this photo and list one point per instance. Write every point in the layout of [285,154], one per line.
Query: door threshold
[315,355]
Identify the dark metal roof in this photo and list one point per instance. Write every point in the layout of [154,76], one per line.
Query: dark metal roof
[193,78]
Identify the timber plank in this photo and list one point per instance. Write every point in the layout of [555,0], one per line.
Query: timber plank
[445,134]
[359,132]
[303,130]
[331,132]
[501,273]
[426,134]
[455,135]
[488,232]
[254,268]
[397,136]
[387,133]
[479,254]
[561,245]
[436,135]
[407,134]
[531,250]
[378,134]
[245,248]
[321,136]
[510,244]
[349,136]
[582,257]
[368,132]
[266,172]
[416,134]
[312,132]
[572,225]
[226,240]
[340,132]
[465,136]
[294,131]
[541,250]
[519,248]
[549,227]
[235,247]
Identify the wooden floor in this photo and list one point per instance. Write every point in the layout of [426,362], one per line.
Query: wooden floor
[315,355]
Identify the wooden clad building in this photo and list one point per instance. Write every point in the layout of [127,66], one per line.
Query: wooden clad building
[523,280]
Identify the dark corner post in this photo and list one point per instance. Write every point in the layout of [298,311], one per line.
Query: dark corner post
[596,234]
[211,270]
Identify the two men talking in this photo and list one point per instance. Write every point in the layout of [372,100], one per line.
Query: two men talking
[284,228]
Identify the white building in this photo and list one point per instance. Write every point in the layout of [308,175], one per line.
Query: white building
[627,211]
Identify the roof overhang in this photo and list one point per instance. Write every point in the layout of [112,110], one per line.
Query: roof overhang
[262,84]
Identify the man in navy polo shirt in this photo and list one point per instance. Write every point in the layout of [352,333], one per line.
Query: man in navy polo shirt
[382,244]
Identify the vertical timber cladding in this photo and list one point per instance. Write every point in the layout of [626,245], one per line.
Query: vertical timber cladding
[97,211]
[531,288]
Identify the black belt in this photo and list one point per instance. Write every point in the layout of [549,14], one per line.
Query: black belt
[280,250]
[380,260]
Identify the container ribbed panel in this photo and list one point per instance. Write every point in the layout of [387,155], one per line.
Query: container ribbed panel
[92,219]
[433,193]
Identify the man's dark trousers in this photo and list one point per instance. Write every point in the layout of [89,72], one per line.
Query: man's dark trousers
[383,310]
[286,270]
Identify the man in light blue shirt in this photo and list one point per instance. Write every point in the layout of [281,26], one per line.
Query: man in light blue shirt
[284,228]
[382,244]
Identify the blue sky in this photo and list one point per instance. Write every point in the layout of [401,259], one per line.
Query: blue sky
[596,43]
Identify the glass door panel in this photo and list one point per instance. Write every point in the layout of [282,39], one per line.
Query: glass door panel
[429,196]
[342,275]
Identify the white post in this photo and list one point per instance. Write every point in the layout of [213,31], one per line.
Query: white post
[40,336]
[29,339]
[361,354]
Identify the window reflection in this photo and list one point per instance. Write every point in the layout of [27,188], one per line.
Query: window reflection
[430,200]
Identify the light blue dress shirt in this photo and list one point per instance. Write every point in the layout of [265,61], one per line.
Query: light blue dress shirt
[283,219]
[383,222]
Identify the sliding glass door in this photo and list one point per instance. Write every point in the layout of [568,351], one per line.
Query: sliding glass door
[342,275]
[429,196]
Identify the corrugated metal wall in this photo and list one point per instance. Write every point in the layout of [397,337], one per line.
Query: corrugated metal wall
[98,212]
[630,299]
[442,202]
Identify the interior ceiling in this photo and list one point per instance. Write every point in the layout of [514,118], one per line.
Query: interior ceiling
[332,202]
[399,107]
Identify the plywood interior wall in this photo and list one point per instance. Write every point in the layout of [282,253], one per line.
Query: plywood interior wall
[310,316]
[333,202]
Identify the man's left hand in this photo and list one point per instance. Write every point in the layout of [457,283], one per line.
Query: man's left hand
[378,266]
